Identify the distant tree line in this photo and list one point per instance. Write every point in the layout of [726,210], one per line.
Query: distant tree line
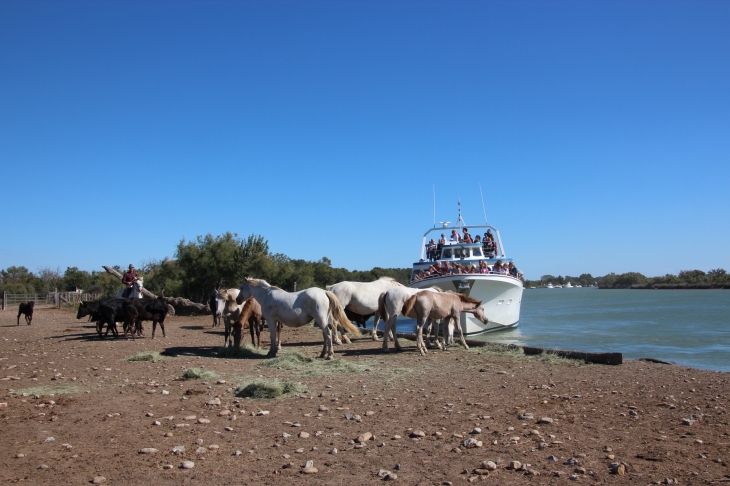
[585,279]
[686,279]
[199,267]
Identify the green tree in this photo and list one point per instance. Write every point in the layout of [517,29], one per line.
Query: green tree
[74,276]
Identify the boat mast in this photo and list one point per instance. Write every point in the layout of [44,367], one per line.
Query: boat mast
[460,222]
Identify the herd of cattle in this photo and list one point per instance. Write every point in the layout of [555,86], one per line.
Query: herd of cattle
[131,312]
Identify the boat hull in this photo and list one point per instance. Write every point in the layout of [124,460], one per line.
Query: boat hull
[501,297]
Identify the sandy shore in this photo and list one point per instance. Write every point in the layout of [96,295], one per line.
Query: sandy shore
[557,418]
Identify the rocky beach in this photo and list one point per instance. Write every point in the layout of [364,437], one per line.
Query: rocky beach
[77,409]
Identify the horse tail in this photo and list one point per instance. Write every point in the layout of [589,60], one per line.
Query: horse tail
[329,287]
[381,306]
[408,306]
[338,314]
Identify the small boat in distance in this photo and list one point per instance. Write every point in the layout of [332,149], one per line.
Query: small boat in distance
[501,294]
[549,286]
[568,285]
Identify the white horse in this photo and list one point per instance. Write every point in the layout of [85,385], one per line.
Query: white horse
[230,311]
[296,309]
[362,298]
[136,292]
[390,304]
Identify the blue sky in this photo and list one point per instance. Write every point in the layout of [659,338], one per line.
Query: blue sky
[599,131]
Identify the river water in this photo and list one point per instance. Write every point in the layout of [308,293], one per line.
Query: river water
[688,327]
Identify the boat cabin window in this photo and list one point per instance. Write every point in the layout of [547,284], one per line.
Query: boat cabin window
[477,252]
[461,252]
[446,253]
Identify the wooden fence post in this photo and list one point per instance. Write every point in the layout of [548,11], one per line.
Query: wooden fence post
[5,301]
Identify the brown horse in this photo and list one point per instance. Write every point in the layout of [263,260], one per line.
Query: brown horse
[251,315]
[445,305]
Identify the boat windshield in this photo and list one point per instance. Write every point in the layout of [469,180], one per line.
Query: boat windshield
[460,252]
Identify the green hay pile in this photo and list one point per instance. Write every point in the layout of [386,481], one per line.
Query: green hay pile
[268,389]
[149,356]
[305,365]
[198,374]
[48,390]
[517,354]
[247,351]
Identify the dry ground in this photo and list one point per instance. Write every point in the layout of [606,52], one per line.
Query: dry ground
[106,407]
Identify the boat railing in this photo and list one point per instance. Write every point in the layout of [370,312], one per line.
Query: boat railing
[432,277]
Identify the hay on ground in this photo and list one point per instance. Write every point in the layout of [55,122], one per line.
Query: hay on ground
[198,374]
[268,389]
[48,390]
[149,356]
[247,351]
[295,361]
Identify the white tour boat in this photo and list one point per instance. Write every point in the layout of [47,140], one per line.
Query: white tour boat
[501,295]
[549,286]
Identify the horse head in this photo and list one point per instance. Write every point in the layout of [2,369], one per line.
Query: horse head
[479,314]
[245,291]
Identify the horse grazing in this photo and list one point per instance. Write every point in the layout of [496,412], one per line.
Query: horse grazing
[296,309]
[444,305]
[26,308]
[362,298]
[390,304]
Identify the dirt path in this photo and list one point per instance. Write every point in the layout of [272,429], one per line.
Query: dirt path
[419,410]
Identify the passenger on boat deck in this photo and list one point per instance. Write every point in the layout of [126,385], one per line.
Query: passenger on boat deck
[458,270]
[431,250]
[478,239]
[466,237]
[498,268]
[434,270]
[483,268]
[446,269]
[473,269]
[454,236]
[488,243]
[514,271]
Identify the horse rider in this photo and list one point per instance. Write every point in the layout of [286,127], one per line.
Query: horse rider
[128,280]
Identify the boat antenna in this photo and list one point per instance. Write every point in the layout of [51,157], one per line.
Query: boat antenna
[460,222]
[434,205]
[484,210]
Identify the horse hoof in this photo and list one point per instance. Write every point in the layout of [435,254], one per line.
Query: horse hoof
[346,340]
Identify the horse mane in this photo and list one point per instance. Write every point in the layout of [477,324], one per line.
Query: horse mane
[259,282]
[469,300]
[391,279]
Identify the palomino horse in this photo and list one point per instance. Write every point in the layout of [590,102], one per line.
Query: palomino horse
[362,298]
[445,305]
[390,304]
[231,312]
[296,309]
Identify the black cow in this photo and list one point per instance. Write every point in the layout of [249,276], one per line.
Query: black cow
[145,309]
[358,319]
[26,308]
[93,311]
[110,312]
